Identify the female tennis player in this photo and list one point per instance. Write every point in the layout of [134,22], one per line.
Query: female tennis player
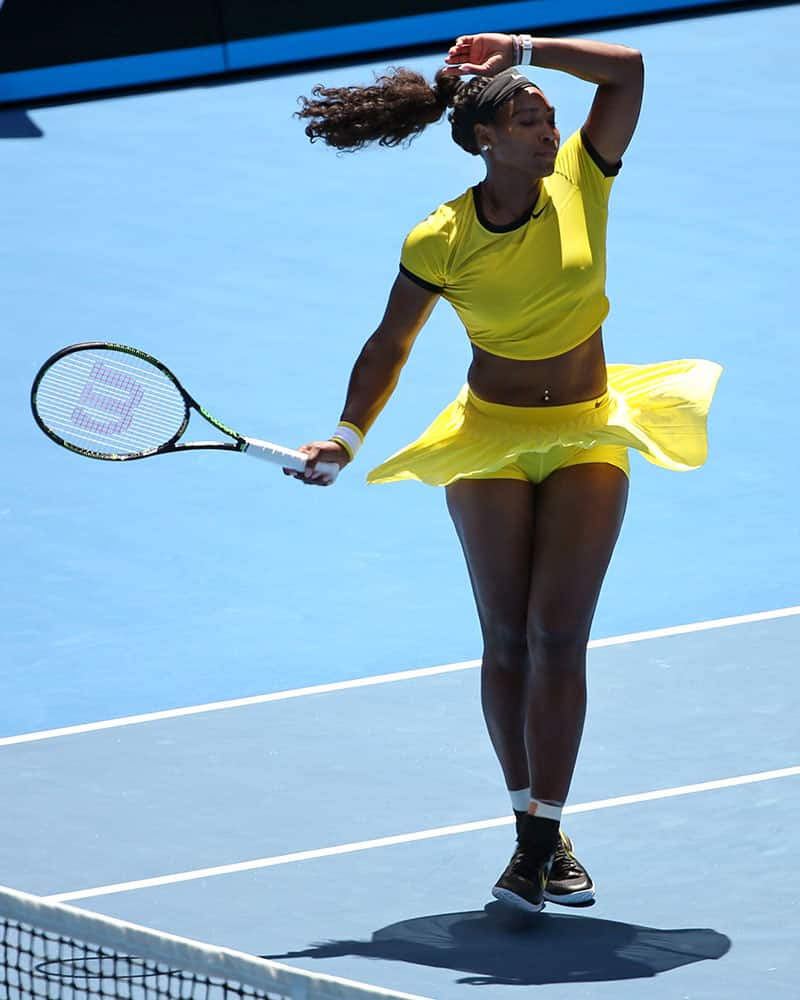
[533,453]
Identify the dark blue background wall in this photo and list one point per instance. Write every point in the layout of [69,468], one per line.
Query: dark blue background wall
[51,47]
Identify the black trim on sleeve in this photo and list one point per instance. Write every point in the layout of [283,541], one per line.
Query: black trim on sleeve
[420,281]
[607,169]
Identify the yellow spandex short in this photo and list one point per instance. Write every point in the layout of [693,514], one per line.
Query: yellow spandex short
[535,467]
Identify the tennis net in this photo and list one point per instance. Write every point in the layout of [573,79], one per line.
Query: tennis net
[49,951]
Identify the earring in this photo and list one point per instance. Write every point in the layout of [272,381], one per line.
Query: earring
[486,148]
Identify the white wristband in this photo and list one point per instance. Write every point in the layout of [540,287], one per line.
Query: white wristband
[526,47]
[349,437]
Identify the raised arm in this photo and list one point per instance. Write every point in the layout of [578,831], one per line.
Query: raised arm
[617,70]
[375,372]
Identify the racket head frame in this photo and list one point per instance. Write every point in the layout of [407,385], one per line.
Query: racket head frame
[239,443]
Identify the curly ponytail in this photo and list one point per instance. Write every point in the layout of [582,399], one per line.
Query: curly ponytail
[396,108]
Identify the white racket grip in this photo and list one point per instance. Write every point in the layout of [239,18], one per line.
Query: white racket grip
[288,458]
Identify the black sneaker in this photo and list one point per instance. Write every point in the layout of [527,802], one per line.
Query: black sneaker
[523,882]
[569,883]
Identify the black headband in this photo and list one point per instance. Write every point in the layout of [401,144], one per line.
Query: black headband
[502,86]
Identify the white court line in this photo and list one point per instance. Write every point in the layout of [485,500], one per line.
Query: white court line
[405,675]
[408,838]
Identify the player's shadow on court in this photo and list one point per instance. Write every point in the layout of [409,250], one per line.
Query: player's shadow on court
[548,948]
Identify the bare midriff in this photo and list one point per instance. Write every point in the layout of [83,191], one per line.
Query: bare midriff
[574,377]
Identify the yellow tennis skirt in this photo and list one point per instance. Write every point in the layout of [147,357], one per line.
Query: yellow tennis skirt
[660,410]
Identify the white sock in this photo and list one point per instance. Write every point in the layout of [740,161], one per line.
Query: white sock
[545,809]
[520,799]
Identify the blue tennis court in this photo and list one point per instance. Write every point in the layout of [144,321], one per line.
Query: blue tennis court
[246,712]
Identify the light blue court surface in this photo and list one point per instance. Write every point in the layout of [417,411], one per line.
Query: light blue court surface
[201,226]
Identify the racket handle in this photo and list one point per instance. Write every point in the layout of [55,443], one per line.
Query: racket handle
[287,458]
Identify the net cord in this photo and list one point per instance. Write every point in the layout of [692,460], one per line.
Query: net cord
[185,953]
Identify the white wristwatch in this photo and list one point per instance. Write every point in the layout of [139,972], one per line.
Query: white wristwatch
[526,50]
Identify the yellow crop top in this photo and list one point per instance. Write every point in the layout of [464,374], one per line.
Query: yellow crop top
[533,289]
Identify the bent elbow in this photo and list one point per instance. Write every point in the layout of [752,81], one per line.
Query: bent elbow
[636,61]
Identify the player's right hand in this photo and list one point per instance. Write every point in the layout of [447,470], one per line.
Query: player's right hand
[319,452]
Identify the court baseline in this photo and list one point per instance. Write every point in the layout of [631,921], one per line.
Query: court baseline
[445,831]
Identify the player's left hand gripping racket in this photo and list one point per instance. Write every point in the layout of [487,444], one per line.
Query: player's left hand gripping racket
[117,403]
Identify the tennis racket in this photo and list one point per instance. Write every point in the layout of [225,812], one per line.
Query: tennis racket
[117,403]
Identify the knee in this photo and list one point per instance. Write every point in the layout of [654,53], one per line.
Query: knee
[559,639]
[505,649]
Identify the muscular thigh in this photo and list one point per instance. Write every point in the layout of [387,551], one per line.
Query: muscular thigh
[494,520]
[579,512]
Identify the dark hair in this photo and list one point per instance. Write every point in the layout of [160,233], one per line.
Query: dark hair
[396,108]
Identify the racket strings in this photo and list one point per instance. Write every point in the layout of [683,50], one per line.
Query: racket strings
[80,429]
[110,403]
[54,392]
[103,403]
